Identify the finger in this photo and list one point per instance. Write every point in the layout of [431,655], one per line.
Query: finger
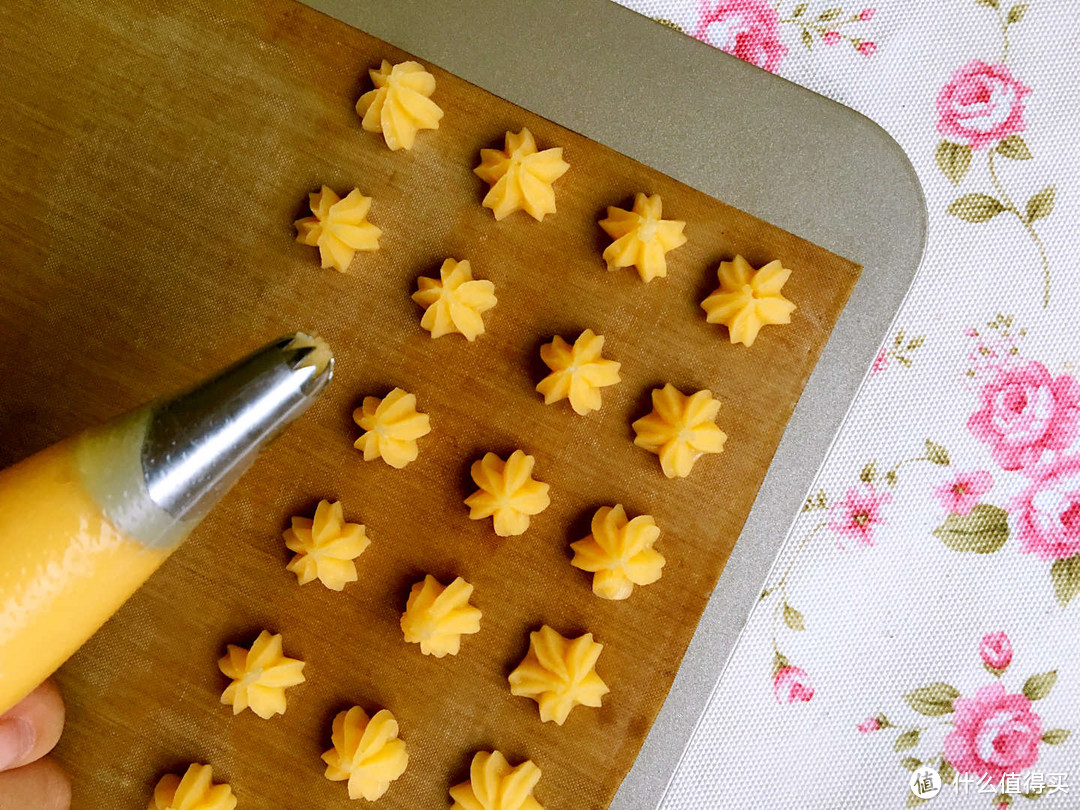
[30,729]
[40,785]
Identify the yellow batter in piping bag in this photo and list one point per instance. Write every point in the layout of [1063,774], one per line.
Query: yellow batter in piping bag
[85,522]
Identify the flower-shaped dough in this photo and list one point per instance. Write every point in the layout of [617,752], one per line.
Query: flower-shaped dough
[748,299]
[455,301]
[578,372]
[400,105]
[392,425]
[195,791]
[325,546]
[338,227]
[437,616]
[619,553]
[318,356]
[508,494]
[520,177]
[641,237]
[367,752]
[559,673]
[680,429]
[260,676]
[496,785]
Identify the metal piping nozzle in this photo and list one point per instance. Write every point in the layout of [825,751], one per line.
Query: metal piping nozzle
[199,443]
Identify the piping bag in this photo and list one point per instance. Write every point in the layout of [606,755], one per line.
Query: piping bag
[85,522]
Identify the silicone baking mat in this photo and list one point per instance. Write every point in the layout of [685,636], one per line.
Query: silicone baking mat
[152,166]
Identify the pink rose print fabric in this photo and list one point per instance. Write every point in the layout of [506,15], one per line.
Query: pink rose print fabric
[960,494]
[981,104]
[856,516]
[748,29]
[757,31]
[1025,412]
[996,733]
[1048,512]
[792,685]
[870,725]
[996,652]
[991,735]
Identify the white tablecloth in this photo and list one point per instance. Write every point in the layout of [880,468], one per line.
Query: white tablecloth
[922,612]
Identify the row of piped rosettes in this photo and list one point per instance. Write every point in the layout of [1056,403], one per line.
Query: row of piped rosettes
[368,754]
[745,300]
[679,429]
[522,178]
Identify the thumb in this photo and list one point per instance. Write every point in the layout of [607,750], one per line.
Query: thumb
[31,729]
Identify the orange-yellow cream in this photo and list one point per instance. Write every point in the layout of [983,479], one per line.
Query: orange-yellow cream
[507,492]
[58,552]
[559,673]
[391,427]
[748,299]
[454,302]
[641,237]
[400,105]
[194,791]
[578,372]
[338,227]
[260,676]
[495,784]
[366,752]
[437,616]
[680,429]
[520,176]
[325,546]
[619,553]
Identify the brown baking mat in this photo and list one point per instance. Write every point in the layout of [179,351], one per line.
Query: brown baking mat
[152,159]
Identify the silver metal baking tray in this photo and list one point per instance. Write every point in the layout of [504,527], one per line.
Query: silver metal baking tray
[744,136]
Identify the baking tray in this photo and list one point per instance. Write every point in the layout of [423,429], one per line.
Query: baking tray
[739,134]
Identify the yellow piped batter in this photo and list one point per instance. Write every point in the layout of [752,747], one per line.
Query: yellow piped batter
[325,546]
[559,673]
[680,429]
[366,752]
[400,105]
[521,177]
[260,676]
[641,237]
[53,562]
[496,785]
[319,356]
[454,302]
[195,791]
[338,227]
[619,553]
[392,425]
[748,299]
[508,493]
[578,372]
[437,616]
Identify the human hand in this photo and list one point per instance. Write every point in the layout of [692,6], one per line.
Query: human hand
[28,779]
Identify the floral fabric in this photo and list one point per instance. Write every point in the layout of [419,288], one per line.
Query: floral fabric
[923,613]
